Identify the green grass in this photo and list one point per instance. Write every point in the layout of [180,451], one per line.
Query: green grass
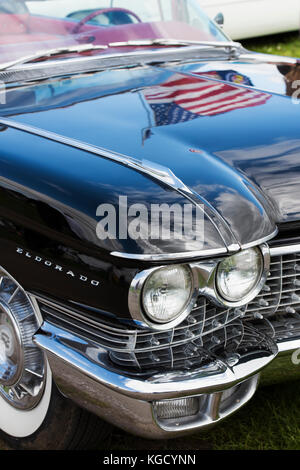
[269,422]
[281,44]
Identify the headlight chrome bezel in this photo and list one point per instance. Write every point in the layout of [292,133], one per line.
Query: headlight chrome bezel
[135,299]
[220,275]
[208,278]
[204,280]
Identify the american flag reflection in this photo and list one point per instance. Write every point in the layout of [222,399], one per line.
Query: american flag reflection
[181,99]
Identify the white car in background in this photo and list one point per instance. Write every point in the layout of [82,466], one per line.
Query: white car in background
[250,18]
[242,18]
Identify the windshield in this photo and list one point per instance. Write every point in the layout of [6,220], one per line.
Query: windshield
[28,27]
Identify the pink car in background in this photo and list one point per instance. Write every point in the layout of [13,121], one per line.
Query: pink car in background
[46,24]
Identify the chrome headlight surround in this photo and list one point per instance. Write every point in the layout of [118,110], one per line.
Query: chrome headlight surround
[204,280]
[207,277]
[238,275]
[135,299]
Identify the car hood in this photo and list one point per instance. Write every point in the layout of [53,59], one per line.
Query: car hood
[229,132]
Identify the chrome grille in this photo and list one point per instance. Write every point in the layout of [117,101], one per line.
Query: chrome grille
[234,337]
[281,294]
[281,327]
[275,312]
[182,346]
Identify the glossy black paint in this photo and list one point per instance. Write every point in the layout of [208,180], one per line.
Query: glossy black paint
[243,163]
[49,213]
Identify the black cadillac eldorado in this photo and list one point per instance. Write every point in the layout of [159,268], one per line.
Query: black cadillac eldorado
[149,221]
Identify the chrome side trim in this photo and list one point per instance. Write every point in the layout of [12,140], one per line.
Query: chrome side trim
[73,314]
[173,256]
[190,255]
[260,241]
[175,43]
[160,172]
[259,56]
[49,53]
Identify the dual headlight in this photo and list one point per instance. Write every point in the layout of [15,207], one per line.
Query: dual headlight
[166,295]
[238,275]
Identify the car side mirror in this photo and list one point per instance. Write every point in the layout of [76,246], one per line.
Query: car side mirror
[219,19]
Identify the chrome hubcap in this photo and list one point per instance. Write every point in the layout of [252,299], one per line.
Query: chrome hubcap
[22,365]
[9,354]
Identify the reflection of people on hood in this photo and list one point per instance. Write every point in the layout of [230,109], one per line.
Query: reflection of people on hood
[291,74]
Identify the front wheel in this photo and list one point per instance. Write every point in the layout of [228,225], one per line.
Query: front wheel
[33,414]
[54,424]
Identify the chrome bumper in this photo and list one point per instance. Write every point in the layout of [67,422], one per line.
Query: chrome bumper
[127,402]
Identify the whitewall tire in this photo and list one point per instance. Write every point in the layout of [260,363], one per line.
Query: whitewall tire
[23,423]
